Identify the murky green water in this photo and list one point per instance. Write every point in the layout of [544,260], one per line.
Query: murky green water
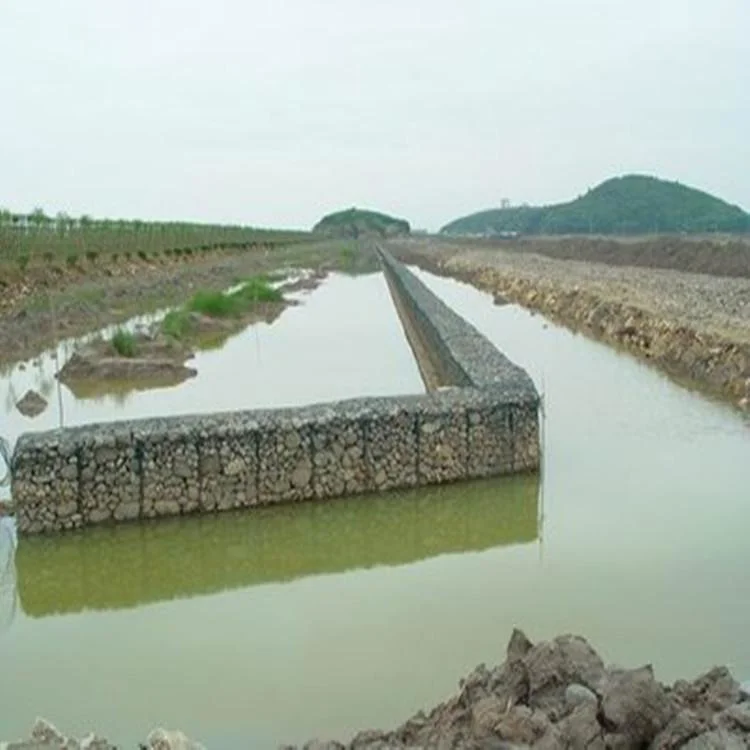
[266,627]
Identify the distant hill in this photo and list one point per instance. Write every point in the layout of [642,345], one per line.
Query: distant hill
[633,204]
[355,222]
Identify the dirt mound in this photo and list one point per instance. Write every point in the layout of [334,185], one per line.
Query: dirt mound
[716,256]
[559,694]
[32,404]
[46,736]
[156,359]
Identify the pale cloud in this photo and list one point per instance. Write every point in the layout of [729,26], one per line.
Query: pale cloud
[274,113]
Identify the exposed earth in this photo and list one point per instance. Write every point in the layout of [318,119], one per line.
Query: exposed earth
[158,359]
[552,695]
[559,694]
[32,404]
[41,309]
[694,326]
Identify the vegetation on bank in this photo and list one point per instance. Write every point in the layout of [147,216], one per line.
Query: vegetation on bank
[633,204]
[64,240]
[180,324]
[124,343]
[355,222]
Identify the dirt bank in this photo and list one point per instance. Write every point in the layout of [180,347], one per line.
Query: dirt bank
[34,320]
[695,327]
[559,694]
[716,255]
[156,359]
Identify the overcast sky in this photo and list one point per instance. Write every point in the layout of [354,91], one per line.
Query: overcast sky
[274,112]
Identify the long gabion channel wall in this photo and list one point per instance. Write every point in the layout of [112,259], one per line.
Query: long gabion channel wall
[121,471]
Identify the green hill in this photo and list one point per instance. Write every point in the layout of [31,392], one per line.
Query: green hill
[355,222]
[634,204]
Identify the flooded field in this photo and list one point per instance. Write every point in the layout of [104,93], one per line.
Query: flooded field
[269,627]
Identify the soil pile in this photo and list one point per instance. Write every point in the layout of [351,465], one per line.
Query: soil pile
[155,358]
[559,694]
[32,404]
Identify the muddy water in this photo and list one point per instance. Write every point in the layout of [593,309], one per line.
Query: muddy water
[315,620]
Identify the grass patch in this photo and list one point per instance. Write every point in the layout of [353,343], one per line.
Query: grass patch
[257,289]
[225,305]
[124,343]
[177,323]
[213,304]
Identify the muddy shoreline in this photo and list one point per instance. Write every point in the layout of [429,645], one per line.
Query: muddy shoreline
[694,328]
[36,320]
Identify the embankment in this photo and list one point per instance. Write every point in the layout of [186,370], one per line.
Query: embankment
[725,255]
[694,327]
[44,305]
[485,426]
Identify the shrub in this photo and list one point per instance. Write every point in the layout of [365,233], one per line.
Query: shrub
[348,255]
[257,289]
[23,261]
[176,324]
[215,304]
[71,259]
[143,255]
[124,343]
[92,255]
[48,256]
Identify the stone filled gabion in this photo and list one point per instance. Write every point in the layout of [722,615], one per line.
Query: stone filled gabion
[485,426]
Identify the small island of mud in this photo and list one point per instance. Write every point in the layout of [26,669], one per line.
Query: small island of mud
[156,357]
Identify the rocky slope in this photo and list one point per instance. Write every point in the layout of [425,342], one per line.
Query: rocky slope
[553,695]
[46,736]
[560,694]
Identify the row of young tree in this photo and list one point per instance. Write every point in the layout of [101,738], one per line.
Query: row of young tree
[28,236]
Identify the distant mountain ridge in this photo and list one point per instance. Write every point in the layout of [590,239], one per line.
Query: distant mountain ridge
[632,204]
[356,222]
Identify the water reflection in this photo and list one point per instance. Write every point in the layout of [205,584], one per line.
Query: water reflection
[119,391]
[8,594]
[114,568]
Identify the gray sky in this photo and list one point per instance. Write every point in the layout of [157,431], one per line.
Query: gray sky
[274,112]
